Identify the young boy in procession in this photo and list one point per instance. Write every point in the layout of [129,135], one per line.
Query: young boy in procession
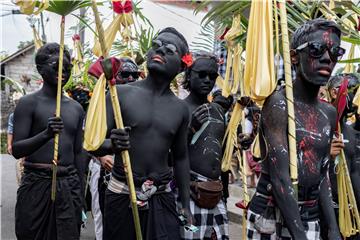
[36,215]
[275,210]
[156,121]
[206,133]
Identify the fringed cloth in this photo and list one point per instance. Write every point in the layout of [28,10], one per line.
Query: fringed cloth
[39,218]
[156,204]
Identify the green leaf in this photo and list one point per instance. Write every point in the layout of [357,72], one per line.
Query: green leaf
[354,60]
[64,8]
[351,40]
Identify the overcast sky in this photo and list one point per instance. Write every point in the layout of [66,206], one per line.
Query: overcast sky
[15,28]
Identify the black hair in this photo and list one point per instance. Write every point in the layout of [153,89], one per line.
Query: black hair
[45,52]
[334,82]
[184,47]
[302,33]
[196,56]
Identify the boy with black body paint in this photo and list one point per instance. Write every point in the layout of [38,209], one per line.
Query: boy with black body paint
[315,51]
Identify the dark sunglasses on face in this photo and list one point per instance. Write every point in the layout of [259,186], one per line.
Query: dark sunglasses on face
[204,74]
[170,48]
[134,75]
[55,66]
[316,50]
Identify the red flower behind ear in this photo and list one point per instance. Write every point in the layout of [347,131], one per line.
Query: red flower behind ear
[187,59]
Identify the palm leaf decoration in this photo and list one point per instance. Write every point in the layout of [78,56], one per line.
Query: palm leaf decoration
[64,8]
[298,12]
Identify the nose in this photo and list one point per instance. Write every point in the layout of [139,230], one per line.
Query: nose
[161,50]
[325,58]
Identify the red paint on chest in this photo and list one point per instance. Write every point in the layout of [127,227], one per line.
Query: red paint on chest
[307,152]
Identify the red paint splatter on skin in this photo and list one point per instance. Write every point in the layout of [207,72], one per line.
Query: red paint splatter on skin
[282,189]
[326,37]
[312,64]
[306,145]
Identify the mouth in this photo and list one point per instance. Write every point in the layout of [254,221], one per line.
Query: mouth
[158,58]
[324,71]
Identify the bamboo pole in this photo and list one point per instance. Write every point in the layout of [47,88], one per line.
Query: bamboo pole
[119,124]
[58,106]
[289,98]
[347,201]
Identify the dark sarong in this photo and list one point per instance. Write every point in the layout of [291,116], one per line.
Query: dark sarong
[158,221]
[37,217]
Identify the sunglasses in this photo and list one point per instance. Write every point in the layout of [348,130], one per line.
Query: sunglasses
[204,74]
[55,66]
[316,50]
[170,48]
[134,75]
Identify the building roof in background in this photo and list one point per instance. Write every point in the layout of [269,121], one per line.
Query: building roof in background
[182,4]
[18,53]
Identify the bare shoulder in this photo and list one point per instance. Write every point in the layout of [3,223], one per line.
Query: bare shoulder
[73,103]
[275,106]
[328,109]
[28,101]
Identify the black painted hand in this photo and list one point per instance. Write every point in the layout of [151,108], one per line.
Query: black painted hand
[188,216]
[200,116]
[55,126]
[120,139]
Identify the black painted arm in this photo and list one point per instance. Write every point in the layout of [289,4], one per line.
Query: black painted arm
[23,144]
[181,162]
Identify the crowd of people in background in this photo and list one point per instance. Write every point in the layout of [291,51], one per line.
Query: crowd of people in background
[176,148]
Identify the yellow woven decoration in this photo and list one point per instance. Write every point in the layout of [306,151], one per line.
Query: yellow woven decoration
[124,20]
[349,67]
[255,147]
[32,7]
[37,41]
[95,125]
[259,76]
[233,66]
[231,137]
[349,219]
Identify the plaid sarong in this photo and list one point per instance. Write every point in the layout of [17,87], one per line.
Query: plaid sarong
[207,220]
[312,229]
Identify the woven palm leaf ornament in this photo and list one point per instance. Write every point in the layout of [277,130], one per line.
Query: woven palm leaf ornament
[99,96]
[349,219]
[120,24]
[233,70]
[61,8]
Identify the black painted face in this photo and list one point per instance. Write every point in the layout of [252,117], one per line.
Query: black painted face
[49,70]
[203,76]
[128,73]
[163,59]
[317,70]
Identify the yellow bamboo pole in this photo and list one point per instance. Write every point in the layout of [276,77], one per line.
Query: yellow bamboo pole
[349,218]
[58,106]
[119,124]
[289,97]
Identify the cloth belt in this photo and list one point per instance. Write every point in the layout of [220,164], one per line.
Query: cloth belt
[308,203]
[145,192]
[47,168]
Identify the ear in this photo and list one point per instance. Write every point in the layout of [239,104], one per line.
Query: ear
[294,57]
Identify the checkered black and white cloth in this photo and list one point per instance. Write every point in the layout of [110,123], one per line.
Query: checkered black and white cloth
[312,229]
[279,64]
[221,53]
[207,220]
